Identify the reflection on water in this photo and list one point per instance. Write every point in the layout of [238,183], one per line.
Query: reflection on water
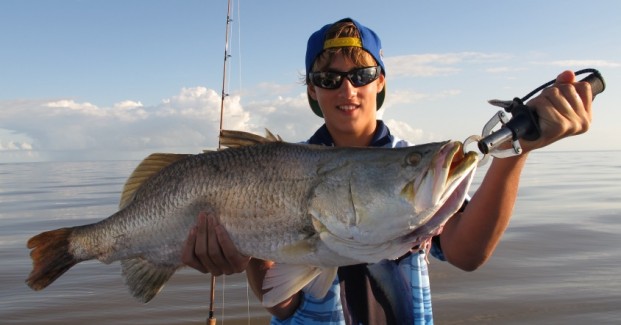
[557,263]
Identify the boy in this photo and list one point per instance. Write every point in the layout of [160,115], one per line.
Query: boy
[346,85]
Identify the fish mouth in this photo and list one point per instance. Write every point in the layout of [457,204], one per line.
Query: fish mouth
[443,191]
[456,174]
[461,163]
[461,170]
[446,171]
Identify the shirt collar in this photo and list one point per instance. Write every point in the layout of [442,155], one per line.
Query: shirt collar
[381,137]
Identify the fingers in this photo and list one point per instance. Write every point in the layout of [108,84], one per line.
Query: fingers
[209,249]
[187,255]
[212,255]
[564,109]
[571,102]
[579,94]
[234,259]
[565,77]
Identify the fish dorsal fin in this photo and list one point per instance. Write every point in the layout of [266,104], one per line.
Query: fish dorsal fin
[145,170]
[236,139]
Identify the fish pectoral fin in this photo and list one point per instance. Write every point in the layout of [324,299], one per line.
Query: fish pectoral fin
[320,285]
[144,278]
[284,280]
[145,170]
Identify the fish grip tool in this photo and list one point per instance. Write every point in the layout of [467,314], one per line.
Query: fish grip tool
[524,121]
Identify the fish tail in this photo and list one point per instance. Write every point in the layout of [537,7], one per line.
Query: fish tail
[50,257]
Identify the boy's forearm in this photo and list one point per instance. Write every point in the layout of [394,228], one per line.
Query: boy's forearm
[470,238]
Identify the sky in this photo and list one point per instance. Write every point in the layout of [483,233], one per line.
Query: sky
[120,79]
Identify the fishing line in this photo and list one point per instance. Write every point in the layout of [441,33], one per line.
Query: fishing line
[247,301]
[239,67]
[223,287]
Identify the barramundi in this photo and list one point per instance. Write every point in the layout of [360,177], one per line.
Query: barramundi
[308,208]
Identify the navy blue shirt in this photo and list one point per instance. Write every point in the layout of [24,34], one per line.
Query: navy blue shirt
[381,137]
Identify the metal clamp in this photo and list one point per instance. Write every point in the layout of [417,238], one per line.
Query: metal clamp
[488,142]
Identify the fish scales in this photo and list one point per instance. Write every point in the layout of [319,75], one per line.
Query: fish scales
[263,200]
[270,203]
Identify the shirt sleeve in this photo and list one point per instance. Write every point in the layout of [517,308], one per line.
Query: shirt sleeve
[325,311]
[436,247]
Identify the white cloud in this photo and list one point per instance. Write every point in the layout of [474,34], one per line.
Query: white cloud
[290,117]
[11,145]
[434,64]
[586,63]
[65,104]
[408,97]
[127,104]
[12,141]
[182,123]
[25,146]
[403,130]
[505,69]
[185,122]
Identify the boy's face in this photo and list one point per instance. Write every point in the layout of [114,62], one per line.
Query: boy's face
[347,109]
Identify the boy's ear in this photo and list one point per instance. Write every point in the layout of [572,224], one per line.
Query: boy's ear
[311,91]
[382,83]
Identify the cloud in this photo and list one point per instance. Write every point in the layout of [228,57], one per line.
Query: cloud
[502,70]
[403,130]
[586,63]
[290,117]
[14,146]
[434,64]
[128,104]
[405,97]
[186,122]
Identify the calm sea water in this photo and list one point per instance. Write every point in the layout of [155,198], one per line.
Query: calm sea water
[559,261]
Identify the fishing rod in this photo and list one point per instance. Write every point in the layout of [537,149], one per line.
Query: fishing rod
[524,123]
[226,58]
[211,320]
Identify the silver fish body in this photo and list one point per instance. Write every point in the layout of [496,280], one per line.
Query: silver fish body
[308,208]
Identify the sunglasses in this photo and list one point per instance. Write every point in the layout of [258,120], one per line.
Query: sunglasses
[333,79]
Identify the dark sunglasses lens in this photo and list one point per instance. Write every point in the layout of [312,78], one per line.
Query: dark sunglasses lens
[364,76]
[327,80]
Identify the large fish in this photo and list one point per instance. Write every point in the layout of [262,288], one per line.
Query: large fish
[308,208]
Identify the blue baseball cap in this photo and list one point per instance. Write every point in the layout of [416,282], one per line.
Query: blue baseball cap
[368,41]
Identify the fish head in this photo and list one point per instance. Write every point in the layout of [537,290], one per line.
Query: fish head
[390,197]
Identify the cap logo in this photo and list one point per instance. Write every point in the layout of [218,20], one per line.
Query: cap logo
[342,42]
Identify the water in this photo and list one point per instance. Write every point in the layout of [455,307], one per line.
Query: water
[558,262]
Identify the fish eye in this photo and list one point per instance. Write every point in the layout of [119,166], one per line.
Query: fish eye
[414,159]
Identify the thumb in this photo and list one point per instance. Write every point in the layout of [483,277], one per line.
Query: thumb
[566,77]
